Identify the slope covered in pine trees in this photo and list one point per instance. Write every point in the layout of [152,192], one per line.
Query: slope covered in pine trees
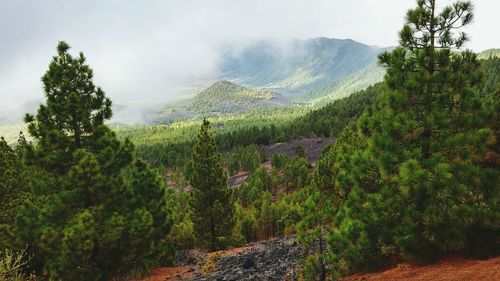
[224,96]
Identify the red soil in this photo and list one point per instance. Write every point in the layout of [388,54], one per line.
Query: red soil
[452,269]
[169,273]
[456,269]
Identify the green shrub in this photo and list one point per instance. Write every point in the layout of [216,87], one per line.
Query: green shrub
[13,266]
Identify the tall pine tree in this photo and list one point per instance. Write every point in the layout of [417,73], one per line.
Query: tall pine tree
[420,185]
[430,137]
[213,210]
[95,211]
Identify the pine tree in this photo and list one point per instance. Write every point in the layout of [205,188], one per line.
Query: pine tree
[419,188]
[95,212]
[211,199]
[74,115]
[9,178]
[312,231]
[15,177]
[296,173]
[327,191]
[413,181]
[12,188]
[267,216]
[431,135]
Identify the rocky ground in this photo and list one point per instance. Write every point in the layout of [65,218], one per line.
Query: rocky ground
[276,260]
[313,147]
[272,260]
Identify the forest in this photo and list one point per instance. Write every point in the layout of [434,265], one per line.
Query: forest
[410,173]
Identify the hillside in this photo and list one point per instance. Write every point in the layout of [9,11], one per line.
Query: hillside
[330,119]
[490,69]
[355,82]
[313,70]
[299,66]
[490,53]
[224,96]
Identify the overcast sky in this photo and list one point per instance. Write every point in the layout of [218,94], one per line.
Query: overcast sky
[148,49]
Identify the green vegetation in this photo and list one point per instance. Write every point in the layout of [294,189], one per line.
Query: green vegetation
[226,96]
[247,158]
[490,79]
[13,266]
[182,234]
[90,210]
[488,54]
[412,174]
[353,83]
[13,190]
[296,172]
[329,120]
[212,210]
[411,181]
[171,145]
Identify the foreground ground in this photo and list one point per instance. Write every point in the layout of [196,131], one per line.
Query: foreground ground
[277,260]
[454,269]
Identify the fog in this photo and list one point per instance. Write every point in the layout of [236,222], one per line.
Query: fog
[151,51]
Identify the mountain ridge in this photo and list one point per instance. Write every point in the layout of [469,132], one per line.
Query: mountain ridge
[298,67]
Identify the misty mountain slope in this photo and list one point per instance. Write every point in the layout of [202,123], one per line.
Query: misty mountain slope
[299,66]
[225,96]
[355,82]
[490,53]
[373,74]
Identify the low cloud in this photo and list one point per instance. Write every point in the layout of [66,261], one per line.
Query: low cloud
[149,51]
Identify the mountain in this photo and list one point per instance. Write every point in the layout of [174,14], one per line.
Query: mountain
[374,73]
[298,67]
[490,53]
[355,82]
[225,96]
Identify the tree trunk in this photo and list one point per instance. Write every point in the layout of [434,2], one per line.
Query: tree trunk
[322,276]
[432,27]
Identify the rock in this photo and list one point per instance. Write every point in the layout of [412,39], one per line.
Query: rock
[248,262]
[270,260]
